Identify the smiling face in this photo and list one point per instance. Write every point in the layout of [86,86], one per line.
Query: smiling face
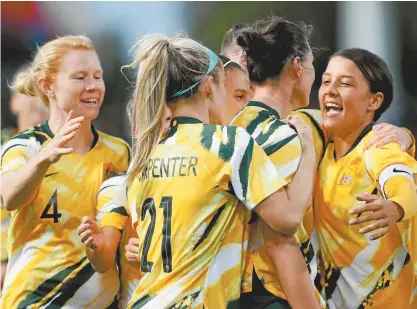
[79,84]
[345,98]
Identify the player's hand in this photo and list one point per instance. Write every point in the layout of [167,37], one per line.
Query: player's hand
[382,213]
[53,151]
[90,235]
[304,132]
[132,250]
[386,133]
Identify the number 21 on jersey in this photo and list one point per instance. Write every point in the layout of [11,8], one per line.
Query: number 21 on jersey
[149,206]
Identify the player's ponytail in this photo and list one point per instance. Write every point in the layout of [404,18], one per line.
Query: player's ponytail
[24,82]
[148,103]
[169,70]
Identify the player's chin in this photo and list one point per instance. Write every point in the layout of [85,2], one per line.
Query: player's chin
[90,113]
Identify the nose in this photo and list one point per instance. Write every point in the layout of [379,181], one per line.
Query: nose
[331,89]
[91,84]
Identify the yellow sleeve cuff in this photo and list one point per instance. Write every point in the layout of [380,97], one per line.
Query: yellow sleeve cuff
[403,192]
[113,219]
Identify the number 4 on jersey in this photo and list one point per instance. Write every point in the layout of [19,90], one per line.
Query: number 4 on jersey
[53,202]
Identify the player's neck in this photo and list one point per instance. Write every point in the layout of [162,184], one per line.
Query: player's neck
[344,142]
[83,139]
[276,95]
[193,110]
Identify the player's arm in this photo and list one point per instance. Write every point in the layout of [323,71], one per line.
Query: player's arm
[102,237]
[394,173]
[20,183]
[262,189]
[284,210]
[101,243]
[289,263]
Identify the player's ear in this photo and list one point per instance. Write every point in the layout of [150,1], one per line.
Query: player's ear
[375,101]
[206,87]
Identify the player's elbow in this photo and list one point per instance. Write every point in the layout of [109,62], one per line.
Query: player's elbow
[8,204]
[102,267]
[286,226]
[275,244]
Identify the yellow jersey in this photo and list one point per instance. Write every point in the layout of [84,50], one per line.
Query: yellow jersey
[5,216]
[357,272]
[183,206]
[112,211]
[47,263]
[281,143]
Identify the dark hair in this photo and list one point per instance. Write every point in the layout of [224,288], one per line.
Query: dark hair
[230,36]
[270,42]
[230,64]
[376,73]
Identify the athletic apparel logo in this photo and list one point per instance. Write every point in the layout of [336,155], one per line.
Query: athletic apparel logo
[51,174]
[400,171]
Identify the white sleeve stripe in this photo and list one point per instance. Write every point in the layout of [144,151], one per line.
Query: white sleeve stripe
[392,171]
[241,143]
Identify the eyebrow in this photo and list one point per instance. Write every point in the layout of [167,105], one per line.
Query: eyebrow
[242,90]
[343,76]
[86,71]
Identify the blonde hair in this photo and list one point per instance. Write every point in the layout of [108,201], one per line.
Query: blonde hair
[46,63]
[165,66]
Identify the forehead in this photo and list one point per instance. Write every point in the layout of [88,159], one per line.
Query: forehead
[342,66]
[238,79]
[80,60]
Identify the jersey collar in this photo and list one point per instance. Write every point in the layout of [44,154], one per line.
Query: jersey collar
[184,120]
[44,127]
[264,106]
[365,131]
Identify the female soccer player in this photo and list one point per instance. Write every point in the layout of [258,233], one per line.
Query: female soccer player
[357,270]
[50,177]
[280,64]
[185,188]
[277,51]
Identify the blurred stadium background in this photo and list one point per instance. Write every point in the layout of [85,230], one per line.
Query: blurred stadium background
[386,28]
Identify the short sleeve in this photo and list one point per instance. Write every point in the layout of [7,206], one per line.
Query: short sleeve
[313,119]
[284,150]
[5,221]
[112,203]
[16,152]
[253,175]
[389,165]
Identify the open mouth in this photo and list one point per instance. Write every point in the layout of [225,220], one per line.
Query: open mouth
[90,101]
[332,109]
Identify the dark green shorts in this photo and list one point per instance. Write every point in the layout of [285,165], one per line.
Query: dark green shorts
[261,298]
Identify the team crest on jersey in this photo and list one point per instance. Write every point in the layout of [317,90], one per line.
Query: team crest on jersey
[346,180]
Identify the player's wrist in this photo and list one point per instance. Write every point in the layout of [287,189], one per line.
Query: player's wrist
[399,211]
[42,161]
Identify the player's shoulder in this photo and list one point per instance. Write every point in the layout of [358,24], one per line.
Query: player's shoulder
[224,141]
[115,180]
[113,144]
[312,114]
[255,114]
[32,139]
